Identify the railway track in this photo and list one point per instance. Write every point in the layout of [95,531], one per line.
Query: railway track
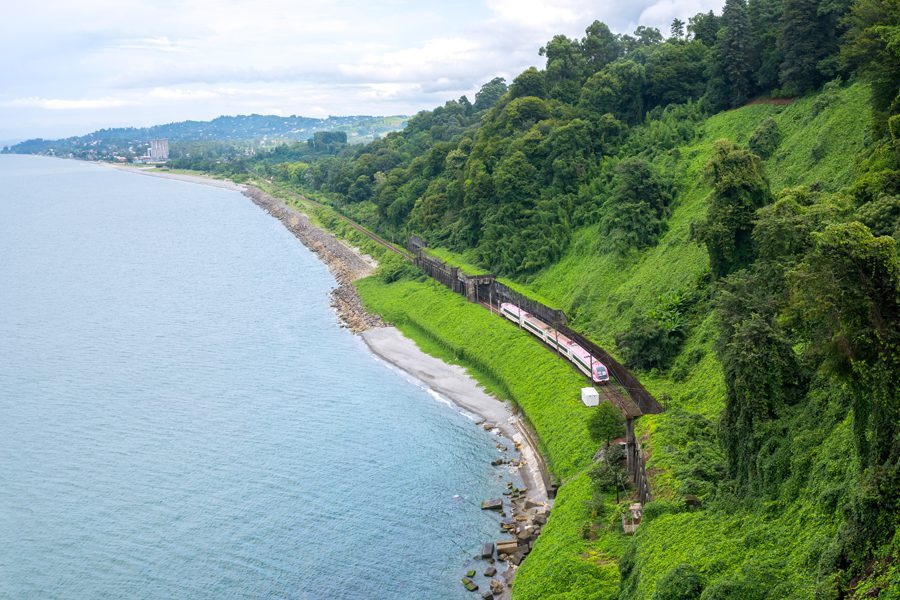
[612,391]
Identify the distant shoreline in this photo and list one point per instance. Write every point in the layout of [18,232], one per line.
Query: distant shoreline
[200,179]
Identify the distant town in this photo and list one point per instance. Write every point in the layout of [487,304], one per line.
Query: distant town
[242,135]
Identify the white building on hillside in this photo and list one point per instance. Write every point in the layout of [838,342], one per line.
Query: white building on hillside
[159,150]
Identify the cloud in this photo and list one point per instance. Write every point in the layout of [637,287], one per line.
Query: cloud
[155,44]
[435,59]
[65,104]
[663,12]
[542,15]
[146,61]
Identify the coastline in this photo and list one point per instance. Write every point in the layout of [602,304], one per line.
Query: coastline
[199,179]
[348,264]
[525,510]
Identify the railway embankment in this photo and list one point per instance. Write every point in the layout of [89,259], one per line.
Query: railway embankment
[526,509]
[507,365]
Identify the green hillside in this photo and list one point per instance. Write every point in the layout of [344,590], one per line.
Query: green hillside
[719,209]
[730,541]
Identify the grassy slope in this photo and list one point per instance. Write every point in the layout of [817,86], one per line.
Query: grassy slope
[602,294]
[516,366]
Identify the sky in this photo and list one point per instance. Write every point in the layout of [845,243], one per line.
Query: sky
[71,67]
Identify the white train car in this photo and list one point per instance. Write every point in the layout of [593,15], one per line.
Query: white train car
[580,357]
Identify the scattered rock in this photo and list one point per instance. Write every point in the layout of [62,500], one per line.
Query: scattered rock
[496,586]
[506,547]
[344,263]
[492,504]
[470,573]
[516,558]
[490,571]
[470,585]
[540,518]
[487,550]
[487,594]
[529,503]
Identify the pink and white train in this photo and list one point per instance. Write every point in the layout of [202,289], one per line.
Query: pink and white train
[582,359]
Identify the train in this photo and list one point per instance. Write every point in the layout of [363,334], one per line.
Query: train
[580,357]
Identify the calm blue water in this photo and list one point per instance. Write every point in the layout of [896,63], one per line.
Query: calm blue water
[182,417]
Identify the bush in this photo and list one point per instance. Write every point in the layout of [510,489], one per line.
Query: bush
[394,269]
[679,583]
[764,141]
[819,149]
[634,215]
[603,476]
[728,589]
[605,423]
[882,216]
[648,343]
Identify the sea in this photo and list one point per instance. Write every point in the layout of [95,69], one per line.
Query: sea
[182,415]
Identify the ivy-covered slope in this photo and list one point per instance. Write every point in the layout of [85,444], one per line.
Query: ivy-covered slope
[778,542]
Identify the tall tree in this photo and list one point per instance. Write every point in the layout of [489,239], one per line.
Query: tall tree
[490,93]
[739,188]
[761,370]
[599,47]
[873,48]
[765,23]
[704,27]
[634,214]
[733,59]
[617,89]
[807,38]
[565,68]
[529,82]
[846,295]
[676,30]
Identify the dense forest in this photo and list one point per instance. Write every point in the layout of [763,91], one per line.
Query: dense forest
[721,207]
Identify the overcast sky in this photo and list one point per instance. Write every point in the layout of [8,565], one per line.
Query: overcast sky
[70,67]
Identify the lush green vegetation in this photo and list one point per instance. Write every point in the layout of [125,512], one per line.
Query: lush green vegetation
[516,366]
[742,258]
[804,473]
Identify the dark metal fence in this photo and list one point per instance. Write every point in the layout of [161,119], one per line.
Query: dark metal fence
[485,288]
[546,314]
[444,273]
[641,482]
[645,401]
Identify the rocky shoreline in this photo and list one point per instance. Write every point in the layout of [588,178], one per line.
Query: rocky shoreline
[346,264]
[522,511]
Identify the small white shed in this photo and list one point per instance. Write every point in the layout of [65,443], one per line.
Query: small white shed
[590,397]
